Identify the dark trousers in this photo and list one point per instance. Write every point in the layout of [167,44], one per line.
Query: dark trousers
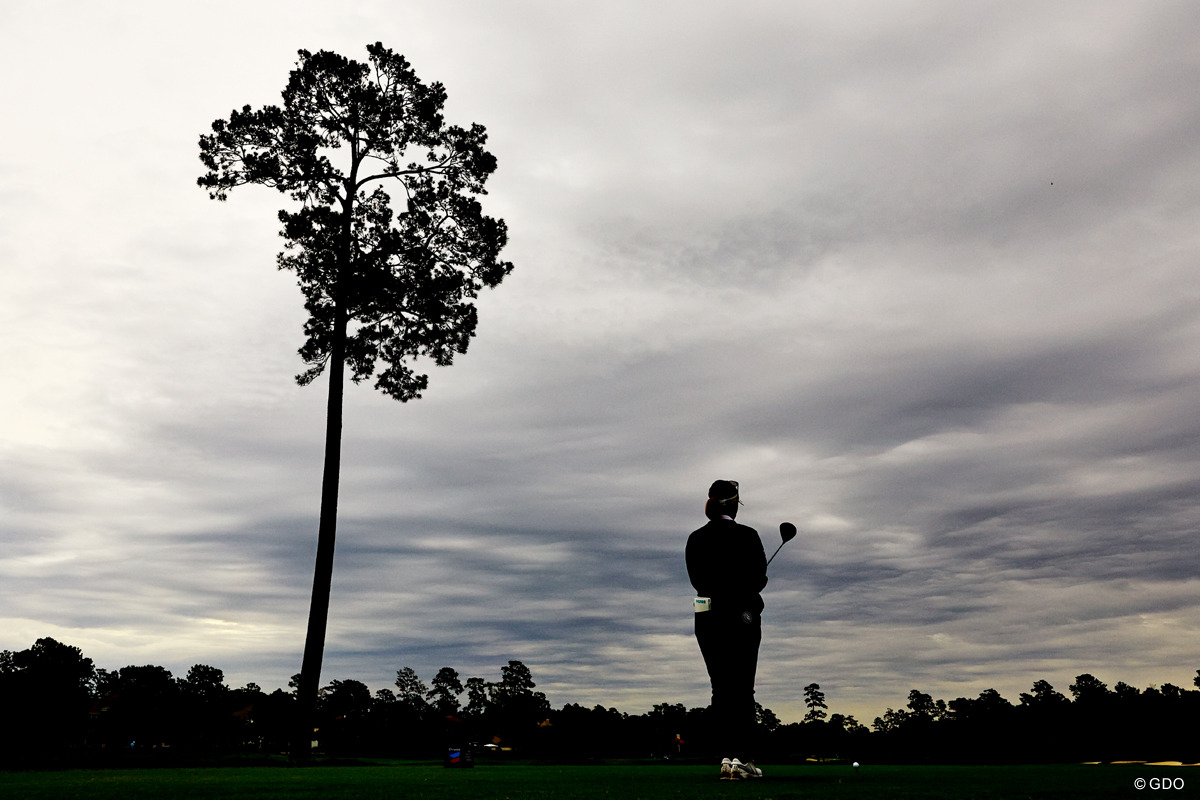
[729,643]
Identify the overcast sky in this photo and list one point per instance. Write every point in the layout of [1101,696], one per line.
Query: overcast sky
[920,275]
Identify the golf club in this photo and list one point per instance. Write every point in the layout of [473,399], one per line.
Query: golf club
[787,532]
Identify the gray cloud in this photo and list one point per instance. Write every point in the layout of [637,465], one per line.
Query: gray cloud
[918,275]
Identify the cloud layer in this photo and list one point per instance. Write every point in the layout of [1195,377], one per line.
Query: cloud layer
[920,276]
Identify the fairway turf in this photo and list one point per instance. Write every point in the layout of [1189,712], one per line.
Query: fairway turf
[610,782]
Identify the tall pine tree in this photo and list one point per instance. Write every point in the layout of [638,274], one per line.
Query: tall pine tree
[387,239]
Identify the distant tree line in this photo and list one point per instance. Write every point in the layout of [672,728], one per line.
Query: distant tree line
[1095,724]
[61,709]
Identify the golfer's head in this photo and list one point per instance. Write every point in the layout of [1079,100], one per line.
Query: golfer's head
[722,500]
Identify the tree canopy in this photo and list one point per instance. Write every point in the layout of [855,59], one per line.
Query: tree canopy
[350,140]
[66,712]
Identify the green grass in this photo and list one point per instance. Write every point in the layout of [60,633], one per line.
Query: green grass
[610,782]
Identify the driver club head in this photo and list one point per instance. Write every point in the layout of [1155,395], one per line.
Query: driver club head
[787,531]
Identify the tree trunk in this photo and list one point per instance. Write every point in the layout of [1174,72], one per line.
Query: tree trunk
[318,614]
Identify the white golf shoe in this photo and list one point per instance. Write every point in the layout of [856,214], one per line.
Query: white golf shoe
[746,771]
[726,769]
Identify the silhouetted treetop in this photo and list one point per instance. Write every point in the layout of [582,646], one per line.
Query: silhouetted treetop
[404,279]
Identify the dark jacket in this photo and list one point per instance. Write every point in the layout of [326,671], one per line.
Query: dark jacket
[725,561]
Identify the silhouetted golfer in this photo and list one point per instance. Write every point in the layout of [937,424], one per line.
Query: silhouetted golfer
[728,568]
